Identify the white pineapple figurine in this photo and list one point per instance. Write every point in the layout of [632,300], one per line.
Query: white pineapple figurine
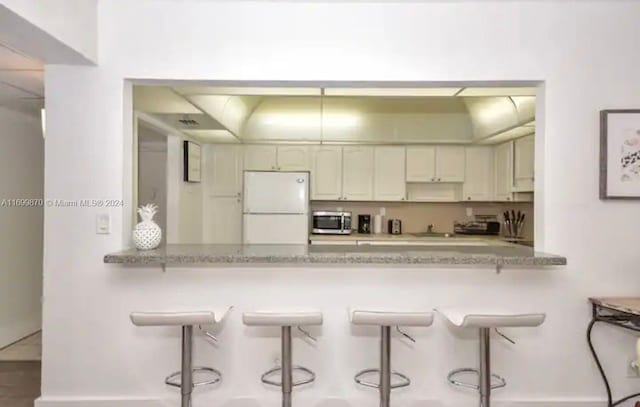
[147,234]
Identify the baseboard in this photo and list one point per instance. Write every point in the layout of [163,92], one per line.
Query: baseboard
[146,402]
[97,402]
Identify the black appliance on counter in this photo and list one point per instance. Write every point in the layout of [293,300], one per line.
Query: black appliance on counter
[477,227]
[364,224]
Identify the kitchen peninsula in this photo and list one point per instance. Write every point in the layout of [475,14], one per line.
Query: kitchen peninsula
[498,256]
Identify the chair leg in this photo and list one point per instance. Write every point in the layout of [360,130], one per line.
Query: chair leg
[287,360]
[186,382]
[485,368]
[385,366]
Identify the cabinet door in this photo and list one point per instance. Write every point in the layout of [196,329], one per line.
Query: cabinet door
[260,158]
[222,223]
[479,174]
[450,164]
[222,170]
[421,164]
[504,171]
[293,158]
[389,174]
[357,173]
[523,173]
[326,173]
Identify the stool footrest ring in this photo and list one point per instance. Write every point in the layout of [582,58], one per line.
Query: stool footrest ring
[404,381]
[496,384]
[311,376]
[214,376]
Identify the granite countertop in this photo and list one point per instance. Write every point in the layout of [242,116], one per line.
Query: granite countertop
[177,255]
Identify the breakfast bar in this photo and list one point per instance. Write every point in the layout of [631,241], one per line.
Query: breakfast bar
[498,256]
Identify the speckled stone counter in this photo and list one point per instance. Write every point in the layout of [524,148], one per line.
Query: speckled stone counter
[186,255]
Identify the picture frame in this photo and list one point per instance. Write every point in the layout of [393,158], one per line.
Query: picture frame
[620,154]
[192,161]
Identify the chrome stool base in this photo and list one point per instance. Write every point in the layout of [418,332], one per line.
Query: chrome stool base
[311,376]
[384,384]
[403,382]
[501,382]
[174,378]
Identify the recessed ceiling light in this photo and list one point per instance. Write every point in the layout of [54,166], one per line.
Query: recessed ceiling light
[247,91]
[390,92]
[501,91]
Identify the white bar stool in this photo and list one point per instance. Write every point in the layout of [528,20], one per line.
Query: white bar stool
[484,321]
[187,320]
[285,320]
[385,319]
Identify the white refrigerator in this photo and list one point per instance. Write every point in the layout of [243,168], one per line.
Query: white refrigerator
[276,208]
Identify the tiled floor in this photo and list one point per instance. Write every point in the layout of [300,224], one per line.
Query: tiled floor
[28,349]
[19,383]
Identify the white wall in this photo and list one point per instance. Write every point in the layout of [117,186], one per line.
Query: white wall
[585,52]
[21,176]
[72,22]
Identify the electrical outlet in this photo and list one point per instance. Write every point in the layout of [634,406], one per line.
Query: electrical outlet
[469,212]
[632,370]
[383,211]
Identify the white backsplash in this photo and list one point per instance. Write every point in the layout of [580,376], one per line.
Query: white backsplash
[417,216]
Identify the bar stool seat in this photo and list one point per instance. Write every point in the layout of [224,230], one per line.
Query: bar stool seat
[473,318]
[177,318]
[385,319]
[485,319]
[377,317]
[183,378]
[286,319]
[282,318]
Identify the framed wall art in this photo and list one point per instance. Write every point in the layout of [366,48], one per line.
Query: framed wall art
[191,161]
[620,154]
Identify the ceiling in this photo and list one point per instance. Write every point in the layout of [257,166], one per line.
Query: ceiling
[473,115]
[21,81]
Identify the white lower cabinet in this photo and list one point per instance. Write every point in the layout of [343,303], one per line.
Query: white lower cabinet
[357,173]
[222,223]
[503,174]
[479,174]
[326,173]
[389,174]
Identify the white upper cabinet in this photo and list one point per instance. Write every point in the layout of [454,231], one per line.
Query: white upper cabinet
[357,173]
[421,164]
[326,173]
[450,163]
[260,157]
[479,174]
[435,164]
[389,174]
[222,170]
[523,173]
[293,158]
[504,172]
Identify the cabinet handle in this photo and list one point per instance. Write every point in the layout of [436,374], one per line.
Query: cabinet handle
[433,179]
[508,198]
[438,179]
[468,198]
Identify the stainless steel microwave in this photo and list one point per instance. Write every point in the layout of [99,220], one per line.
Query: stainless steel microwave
[331,223]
